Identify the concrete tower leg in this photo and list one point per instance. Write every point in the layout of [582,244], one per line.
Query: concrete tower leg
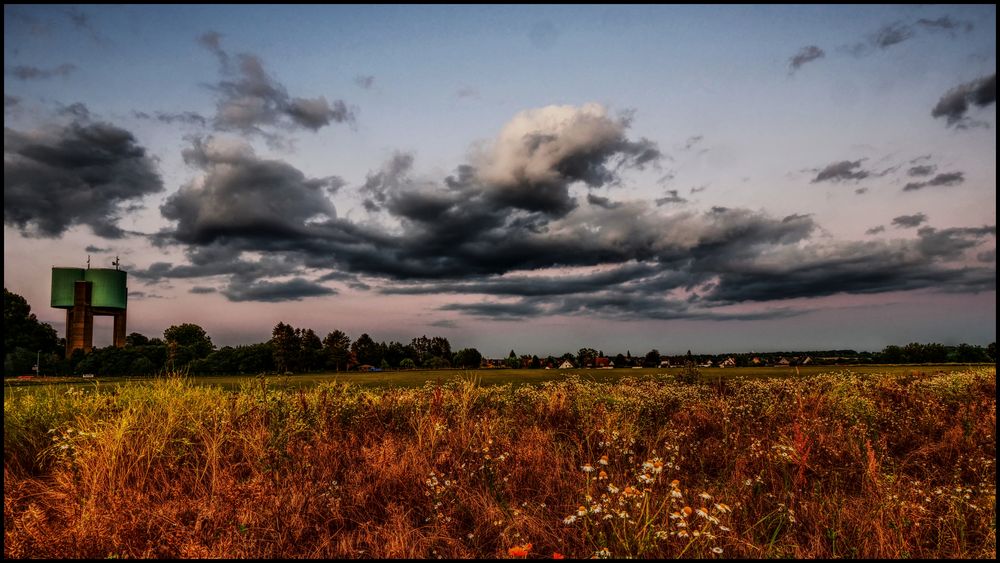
[120,329]
[80,319]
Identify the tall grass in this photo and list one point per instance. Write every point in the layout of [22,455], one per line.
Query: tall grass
[833,465]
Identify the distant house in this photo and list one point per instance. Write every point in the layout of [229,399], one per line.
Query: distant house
[366,367]
[664,363]
[807,361]
[603,363]
[756,361]
[707,364]
[728,363]
[783,362]
[566,365]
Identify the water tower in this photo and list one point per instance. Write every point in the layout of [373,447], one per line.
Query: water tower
[86,293]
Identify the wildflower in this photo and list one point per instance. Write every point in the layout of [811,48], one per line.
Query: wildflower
[603,460]
[612,489]
[603,475]
[569,519]
[676,494]
[675,483]
[557,555]
[587,468]
[581,511]
[701,512]
[687,511]
[705,496]
[520,550]
[723,508]
[717,550]
[682,534]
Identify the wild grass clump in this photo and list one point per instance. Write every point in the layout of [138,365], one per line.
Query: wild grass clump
[833,465]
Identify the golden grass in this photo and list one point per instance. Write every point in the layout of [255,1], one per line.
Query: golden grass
[834,465]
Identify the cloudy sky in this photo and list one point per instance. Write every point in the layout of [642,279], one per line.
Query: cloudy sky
[538,178]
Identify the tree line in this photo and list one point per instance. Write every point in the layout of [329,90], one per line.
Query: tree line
[188,348]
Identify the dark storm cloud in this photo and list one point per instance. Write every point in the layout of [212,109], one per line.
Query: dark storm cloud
[950,244]
[202,290]
[954,105]
[365,81]
[922,170]
[805,55]
[987,256]
[92,248]
[841,171]
[496,311]
[83,173]
[602,201]
[444,323]
[242,196]
[273,292]
[531,286]
[22,72]
[948,179]
[909,221]
[671,197]
[464,235]
[249,98]
[875,230]
[861,191]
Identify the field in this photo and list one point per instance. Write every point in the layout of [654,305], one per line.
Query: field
[896,463]
[516,377]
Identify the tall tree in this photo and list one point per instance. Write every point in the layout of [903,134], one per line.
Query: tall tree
[190,336]
[310,351]
[337,347]
[285,347]
[366,351]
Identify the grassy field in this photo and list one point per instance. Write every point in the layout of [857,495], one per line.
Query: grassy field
[516,377]
[895,464]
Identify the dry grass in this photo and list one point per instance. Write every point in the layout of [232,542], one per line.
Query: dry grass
[835,465]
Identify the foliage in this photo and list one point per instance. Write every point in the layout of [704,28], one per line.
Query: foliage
[843,464]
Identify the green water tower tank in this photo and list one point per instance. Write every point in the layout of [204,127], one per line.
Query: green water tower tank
[63,280]
[109,289]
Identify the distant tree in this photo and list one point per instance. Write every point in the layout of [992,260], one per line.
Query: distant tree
[892,354]
[437,362]
[393,352]
[512,361]
[991,351]
[467,358]
[23,331]
[536,362]
[621,361]
[337,348]
[366,351]
[136,339]
[407,363]
[310,351]
[285,347]
[585,357]
[652,358]
[191,337]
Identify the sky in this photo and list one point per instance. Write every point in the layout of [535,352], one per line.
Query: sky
[537,178]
